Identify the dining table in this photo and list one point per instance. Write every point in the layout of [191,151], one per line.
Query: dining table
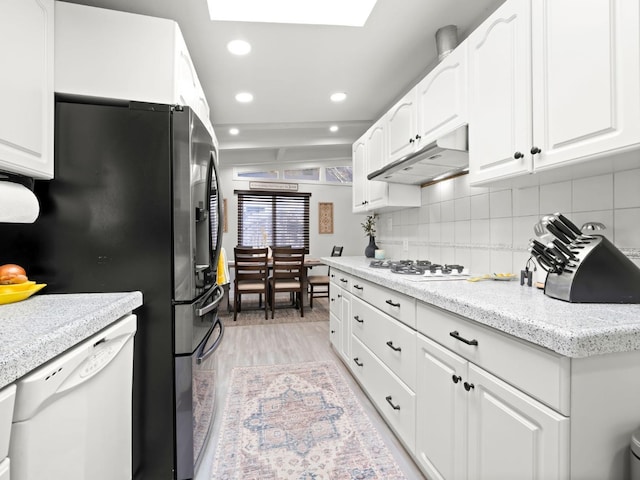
[309,262]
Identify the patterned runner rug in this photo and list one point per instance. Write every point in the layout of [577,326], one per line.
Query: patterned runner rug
[298,422]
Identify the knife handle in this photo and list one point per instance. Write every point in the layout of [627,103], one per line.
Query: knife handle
[564,249]
[568,223]
[563,228]
[557,233]
[543,262]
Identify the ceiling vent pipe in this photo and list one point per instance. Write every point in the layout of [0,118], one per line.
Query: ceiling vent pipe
[446,40]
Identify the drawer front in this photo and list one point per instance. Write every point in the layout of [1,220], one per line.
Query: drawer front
[394,400]
[391,341]
[397,305]
[541,373]
[342,279]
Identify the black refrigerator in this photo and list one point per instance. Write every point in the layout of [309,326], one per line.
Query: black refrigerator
[135,204]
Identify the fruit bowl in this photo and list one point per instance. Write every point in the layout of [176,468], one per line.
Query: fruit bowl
[17,287]
[12,296]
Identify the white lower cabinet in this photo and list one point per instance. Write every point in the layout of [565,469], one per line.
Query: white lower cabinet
[7,401]
[472,425]
[340,311]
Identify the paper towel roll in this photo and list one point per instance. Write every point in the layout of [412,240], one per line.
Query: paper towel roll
[18,204]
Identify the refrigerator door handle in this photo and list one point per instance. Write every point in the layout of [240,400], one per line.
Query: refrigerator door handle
[214,303]
[203,355]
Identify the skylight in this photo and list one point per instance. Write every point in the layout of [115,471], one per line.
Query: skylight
[352,13]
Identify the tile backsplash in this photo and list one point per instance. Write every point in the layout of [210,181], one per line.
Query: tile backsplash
[488,229]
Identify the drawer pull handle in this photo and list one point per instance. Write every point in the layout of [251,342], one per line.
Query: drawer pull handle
[358,319]
[456,378]
[344,280]
[455,334]
[390,302]
[360,364]
[392,347]
[395,407]
[358,287]
[468,386]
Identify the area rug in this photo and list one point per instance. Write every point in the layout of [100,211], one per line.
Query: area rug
[251,315]
[298,422]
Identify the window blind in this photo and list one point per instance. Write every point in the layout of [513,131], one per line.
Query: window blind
[273,219]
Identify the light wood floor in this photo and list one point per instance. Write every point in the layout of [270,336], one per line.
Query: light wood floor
[288,343]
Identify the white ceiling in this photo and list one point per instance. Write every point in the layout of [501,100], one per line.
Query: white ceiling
[292,70]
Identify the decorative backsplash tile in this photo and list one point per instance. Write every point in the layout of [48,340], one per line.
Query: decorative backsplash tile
[489,229]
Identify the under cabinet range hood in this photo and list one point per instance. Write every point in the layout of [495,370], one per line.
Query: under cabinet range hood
[447,156]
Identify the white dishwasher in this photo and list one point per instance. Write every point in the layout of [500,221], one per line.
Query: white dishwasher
[72,416]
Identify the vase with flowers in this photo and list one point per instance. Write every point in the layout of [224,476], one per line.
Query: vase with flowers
[369,227]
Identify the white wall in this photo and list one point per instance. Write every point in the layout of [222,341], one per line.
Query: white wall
[488,229]
[346,225]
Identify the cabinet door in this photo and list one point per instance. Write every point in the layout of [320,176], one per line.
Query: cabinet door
[26,87]
[500,94]
[402,127]
[442,97]
[335,332]
[346,325]
[441,413]
[586,99]
[359,183]
[375,151]
[511,435]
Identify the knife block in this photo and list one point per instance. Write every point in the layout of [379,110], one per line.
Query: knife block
[603,274]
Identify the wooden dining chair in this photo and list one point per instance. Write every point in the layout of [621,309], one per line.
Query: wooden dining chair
[251,274]
[319,284]
[288,275]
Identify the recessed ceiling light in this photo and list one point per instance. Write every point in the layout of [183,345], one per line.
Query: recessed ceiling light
[244,97]
[234,131]
[334,128]
[338,97]
[315,12]
[239,47]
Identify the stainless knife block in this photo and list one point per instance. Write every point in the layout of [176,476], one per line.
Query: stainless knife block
[603,274]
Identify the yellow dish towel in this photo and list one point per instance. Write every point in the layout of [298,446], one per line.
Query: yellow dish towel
[223,268]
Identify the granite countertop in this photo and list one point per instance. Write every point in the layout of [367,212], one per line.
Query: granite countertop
[42,327]
[571,329]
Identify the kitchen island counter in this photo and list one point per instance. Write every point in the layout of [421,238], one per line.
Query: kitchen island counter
[572,329]
[42,327]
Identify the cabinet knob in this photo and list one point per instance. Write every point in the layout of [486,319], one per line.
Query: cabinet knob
[411,140]
[333,331]
[455,378]
[535,150]
[468,386]
[518,155]
[418,137]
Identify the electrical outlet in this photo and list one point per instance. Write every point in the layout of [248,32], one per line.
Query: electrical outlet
[405,245]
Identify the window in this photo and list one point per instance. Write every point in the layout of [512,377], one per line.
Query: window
[271,174]
[273,218]
[308,174]
[339,174]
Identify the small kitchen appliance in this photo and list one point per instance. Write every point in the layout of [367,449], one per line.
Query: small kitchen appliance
[584,268]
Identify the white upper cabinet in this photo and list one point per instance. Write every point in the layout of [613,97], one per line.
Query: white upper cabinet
[500,94]
[375,159]
[402,127]
[552,82]
[586,78]
[26,87]
[146,60]
[359,184]
[442,97]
